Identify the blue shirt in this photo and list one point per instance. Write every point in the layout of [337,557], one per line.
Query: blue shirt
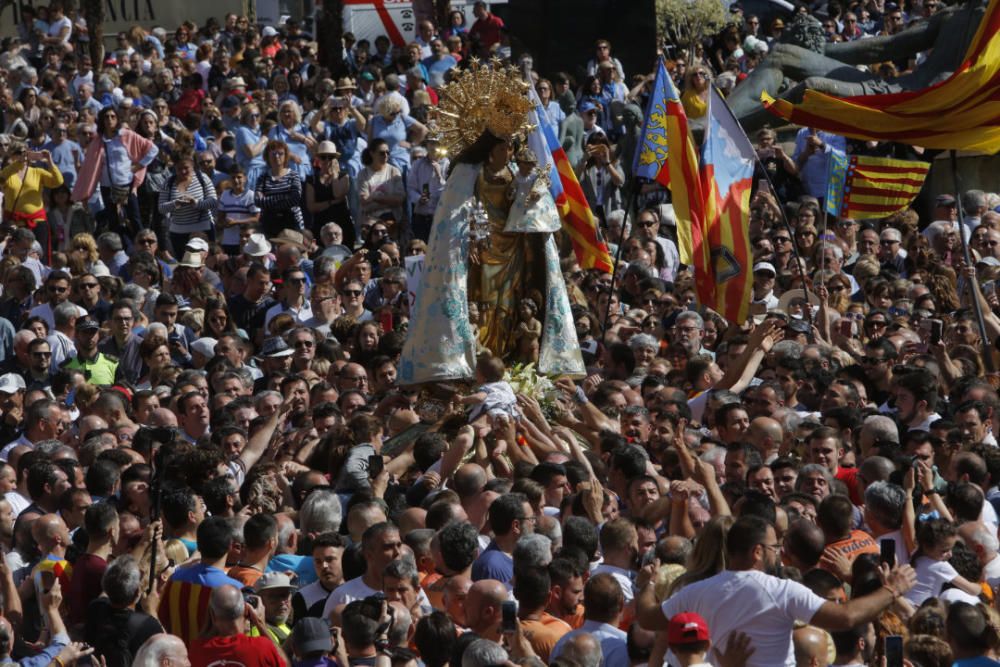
[394,132]
[346,138]
[493,564]
[119,164]
[436,69]
[613,643]
[300,565]
[247,137]
[62,157]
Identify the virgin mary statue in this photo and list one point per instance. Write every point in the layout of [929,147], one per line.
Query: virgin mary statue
[491,242]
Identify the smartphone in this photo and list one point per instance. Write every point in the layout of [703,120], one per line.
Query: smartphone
[937,330]
[508,620]
[376,464]
[846,328]
[48,580]
[385,320]
[894,651]
[887,555]
[762,183]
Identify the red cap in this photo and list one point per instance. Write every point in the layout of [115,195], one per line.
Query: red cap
[687,628]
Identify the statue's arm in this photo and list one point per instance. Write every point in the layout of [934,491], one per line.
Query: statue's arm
[905,44]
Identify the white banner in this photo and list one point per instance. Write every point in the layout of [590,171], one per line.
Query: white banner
[414,273]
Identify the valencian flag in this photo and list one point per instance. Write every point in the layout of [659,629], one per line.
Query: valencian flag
[577,218]
[667,154]
[727,165]
[961,112]
[872,187]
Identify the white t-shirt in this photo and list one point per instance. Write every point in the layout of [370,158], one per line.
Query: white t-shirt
[932,575]
[958,595]
[357,589]
[347,592]
[762,606]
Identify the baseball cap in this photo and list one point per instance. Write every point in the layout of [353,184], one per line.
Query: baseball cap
[764,266]
[85,323]
[944,200]
[11,383]
[231,102]
[311,635]
[587,106]
[687,628]
[197,244]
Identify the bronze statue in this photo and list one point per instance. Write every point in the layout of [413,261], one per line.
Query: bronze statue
[790,69]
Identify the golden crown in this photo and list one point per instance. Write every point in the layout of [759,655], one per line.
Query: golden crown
[481,99]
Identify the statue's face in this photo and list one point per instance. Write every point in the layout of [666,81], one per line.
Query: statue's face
[502,153]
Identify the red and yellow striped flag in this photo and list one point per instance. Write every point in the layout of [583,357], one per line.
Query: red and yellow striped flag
[961,112]
[578,221]
[666,112]
[872,187]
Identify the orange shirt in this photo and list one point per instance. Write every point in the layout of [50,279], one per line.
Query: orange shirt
[544,633]
[248,576]
[858,543]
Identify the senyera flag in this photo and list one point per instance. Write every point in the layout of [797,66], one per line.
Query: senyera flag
[668,155]
[863,187]
[577,218]
[727,166]
[961,112]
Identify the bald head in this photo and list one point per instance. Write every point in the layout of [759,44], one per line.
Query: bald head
[162,649]
[765,434]
[162,417]
[456,590]
[402,420]
[810,647]
[411,519]
[50,532]
[469,480]
[91,423]
[226,603]
[482,606]
[584,650]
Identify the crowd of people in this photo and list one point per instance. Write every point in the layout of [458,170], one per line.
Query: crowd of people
[205,456]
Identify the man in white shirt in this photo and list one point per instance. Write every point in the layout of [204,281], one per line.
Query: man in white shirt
[620,547]
[883,514]
[747,598]
[380,545]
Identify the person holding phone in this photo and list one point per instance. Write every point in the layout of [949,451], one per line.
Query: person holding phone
[22,185]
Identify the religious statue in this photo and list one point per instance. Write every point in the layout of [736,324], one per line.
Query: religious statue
[491,242]
[807,62]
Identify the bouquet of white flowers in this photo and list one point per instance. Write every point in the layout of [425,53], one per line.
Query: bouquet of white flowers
[525,379]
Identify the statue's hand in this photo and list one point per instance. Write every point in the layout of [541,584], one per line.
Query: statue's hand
[474,254]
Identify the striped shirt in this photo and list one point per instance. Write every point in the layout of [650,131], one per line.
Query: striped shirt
[194,218]
[280,197]
[236,206]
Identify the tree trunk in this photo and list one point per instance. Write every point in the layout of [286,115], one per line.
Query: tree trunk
[329,35]
[93,13]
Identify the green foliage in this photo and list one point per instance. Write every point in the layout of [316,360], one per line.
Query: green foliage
[687,22]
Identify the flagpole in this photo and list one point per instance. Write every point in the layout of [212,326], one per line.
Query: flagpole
[633,201]
[976,307]
[791,235]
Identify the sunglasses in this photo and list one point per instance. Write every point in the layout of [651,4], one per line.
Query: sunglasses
[351,292]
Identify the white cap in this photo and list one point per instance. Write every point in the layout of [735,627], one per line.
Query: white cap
[11,383]
[764,266]
[268,31]
[197,244]
[205,347]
